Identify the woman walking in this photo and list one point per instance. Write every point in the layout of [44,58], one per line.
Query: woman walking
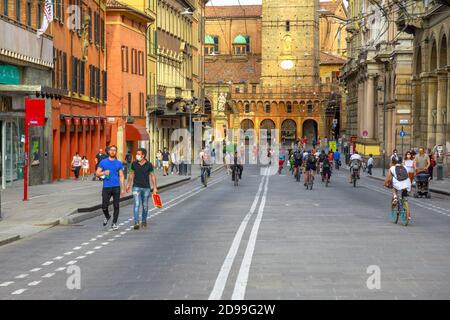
[76,165]
[409,164]
[85,168]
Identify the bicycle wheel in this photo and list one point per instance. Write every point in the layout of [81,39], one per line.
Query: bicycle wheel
[354,182]
[236,178]
[394,215]
[405,213]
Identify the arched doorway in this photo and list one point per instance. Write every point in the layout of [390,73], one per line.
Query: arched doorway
[268,125]
[247,126]
[288,132]
[310,130]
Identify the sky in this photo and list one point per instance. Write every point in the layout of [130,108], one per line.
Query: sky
[233,2]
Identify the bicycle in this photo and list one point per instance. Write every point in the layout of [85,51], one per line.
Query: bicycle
[298,173]
[401,210]
[235,176]
[310,180]
[326,177]
[354,176]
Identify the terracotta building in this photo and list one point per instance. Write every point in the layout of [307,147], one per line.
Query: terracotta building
[127,71]
[265,62]
[79,118]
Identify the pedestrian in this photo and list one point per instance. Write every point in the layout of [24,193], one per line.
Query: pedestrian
[159,160]
[111,170]
[98,158]
[370,164]
[394,156]
[141,171]
[165,161]
[174,161]
[85,168]
[432,162]
[421,161]
[409,164]
[76,165]
[128,160]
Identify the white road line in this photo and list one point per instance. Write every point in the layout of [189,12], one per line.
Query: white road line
[35,269]
[76,248]
[242,279]
[80,257]
[222,278]
[93,239]
[22,276]
[34,283]
[20,291]
[58,258]
[122,233]
[48,275]
[111,239]
[5,284]
[47,263]
[85,243]
[98,247]
[71,262]
[100,236]
[118,236]
[89,252]
[105,243]
[68,253]
[60,269]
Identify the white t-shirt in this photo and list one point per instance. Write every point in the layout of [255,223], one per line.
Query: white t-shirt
[76,161]
[85,163]
[356,156]
[400,185]
[409,164]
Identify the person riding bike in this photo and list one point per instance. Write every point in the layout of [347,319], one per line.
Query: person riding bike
[322,156]
[281,160]
[355,163]
[326,169]
[310,166]
[237,165]
[398,174]
[337,159]
[298,160]
[205,162]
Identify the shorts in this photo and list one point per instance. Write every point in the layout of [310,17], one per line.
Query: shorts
[280,162]
[297,164]
[311,167]
[165,163]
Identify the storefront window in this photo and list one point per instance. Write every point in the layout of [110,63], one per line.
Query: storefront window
[12,150]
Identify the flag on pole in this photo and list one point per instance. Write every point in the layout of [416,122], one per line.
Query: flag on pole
[48,17]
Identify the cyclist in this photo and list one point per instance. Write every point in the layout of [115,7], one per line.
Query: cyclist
[400,180]
[355,162]
[310,166]
[298,159]
[320,158]
[237,165]
[281,160]
[337,159]
[204,165]
[326,169]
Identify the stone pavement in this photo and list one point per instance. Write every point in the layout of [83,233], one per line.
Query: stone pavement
[442,186]
[50,203]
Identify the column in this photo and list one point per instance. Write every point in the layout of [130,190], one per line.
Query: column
[423,110]
[370,107]
[441,108]
[65,151]
[359,111]
[83,148]
[415,112]
[447,124]
[432,108]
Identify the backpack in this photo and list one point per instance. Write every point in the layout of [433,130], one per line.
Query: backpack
[311,159]
[401,173]
[326,163]
[298,155]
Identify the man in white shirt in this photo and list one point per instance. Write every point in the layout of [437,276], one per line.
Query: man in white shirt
[355,162]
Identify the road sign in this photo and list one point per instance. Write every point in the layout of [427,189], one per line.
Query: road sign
[402,133]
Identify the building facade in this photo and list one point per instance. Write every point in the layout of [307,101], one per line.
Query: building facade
[377,77]
[263,71]
[429,22]
[26,64]
[79,118]
[127,76]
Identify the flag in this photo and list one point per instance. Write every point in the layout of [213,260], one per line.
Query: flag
[48,17]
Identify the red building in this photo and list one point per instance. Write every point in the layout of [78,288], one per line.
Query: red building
[79,118]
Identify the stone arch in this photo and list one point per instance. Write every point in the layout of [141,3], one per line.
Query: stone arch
[443,56]
[269,125]
[288,132]
[310,129]
[433,55]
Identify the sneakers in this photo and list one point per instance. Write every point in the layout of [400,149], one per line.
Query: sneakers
[144,224]
[106,220]
[114,227]
[136,226]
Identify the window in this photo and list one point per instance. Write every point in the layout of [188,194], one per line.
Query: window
[97,82]
[38,16]
[247,108]
[267,107]
[141,104]
[237,90]
[90,24]
[82,76]
[254,88]
[216,44]
[124,59]
[102,33]
[18,10]
[5,7]
[248,49]
[104,76]
[57,9]
[129,103]
[64,70]
[91,81]
[142,64]
[133,61]
[75,76]
[96,28]
[289,107]
[29,13]
[288,26]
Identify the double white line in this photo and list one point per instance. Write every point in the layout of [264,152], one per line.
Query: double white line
[241,282]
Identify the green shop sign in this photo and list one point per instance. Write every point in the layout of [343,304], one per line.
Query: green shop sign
[9,74]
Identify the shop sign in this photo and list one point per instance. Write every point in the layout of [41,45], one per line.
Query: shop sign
[9,74]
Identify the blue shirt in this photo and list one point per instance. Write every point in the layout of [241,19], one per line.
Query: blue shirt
[114,166]
[337,155]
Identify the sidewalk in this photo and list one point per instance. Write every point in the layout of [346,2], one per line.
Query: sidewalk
[49,204]
[442,187]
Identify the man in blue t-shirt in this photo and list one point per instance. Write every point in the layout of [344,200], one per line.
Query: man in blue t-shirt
[111,171]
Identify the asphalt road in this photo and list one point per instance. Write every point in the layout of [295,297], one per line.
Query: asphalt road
[268,238]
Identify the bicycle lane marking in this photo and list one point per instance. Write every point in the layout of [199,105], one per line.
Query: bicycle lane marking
[242,279]
[222,278]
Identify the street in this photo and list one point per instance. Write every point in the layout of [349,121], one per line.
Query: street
[267,238]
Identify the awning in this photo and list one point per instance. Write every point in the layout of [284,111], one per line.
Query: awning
[135,132]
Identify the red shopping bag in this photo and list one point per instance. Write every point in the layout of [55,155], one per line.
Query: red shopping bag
[157,202]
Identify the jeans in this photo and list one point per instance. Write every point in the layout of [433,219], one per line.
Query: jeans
[369,169]
[141,197]
[77,171]
[107,193]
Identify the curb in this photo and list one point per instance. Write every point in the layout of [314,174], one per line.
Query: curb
[82,214]
[9,240]
[447,193]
